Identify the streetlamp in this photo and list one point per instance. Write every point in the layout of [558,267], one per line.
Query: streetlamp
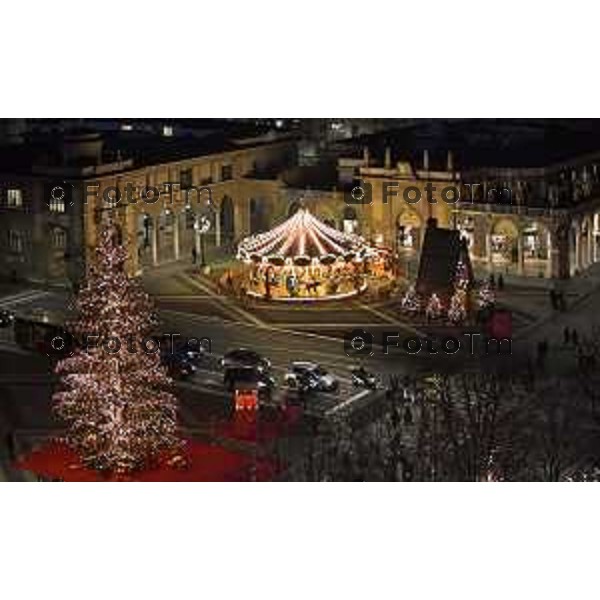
[201,227]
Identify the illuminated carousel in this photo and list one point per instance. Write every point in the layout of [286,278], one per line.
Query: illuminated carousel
[305,259]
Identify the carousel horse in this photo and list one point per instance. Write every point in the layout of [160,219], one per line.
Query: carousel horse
[312,286]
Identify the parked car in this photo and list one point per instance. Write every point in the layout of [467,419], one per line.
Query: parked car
[310,376]
[363,378]
[243,357]
[179,366]
[7,319]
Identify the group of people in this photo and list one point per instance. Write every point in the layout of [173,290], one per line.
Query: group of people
[497,282]
[376,452]
[557,300]
[585,348]
[383,450]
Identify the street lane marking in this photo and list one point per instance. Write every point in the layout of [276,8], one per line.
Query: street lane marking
[348,402]
[223,300]
[389,319]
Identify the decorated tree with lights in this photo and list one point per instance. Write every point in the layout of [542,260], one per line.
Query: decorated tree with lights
[434,308]
[114,395]
[411,302]
[486,297]
[461,276]
[457,312]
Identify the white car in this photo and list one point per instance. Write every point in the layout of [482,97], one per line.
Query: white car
[310,376]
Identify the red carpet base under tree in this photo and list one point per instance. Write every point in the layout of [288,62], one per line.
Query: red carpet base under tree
[252,426]
[205,462]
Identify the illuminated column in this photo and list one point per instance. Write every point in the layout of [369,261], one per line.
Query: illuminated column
[197,236]
[520,257]
[176,235]
[217,229]
[154,241]
[551,256]
[132,242]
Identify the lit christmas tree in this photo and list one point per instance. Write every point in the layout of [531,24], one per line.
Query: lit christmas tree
[434,308]
[457,312]
[486,297]
[119,412]
[461,276]
[411,302]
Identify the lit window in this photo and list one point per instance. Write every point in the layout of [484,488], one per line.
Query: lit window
[59,239]
[169,218]
[14,198]
[226,172]
[185,179]
[167,130]
[57,204]
[15,240]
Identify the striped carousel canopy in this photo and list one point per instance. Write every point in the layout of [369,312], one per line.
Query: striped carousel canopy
[302,238]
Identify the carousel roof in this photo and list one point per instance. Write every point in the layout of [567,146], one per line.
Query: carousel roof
[304,237]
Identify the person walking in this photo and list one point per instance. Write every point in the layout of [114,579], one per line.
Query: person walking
[566,336]
[542,349]
[500,282]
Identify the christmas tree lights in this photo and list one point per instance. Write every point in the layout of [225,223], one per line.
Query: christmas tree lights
[434,308]
[486,297]
[461,276]
[411,302]
[457,312]
[115,397]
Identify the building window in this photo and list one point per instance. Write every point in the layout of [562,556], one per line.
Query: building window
[59,239]
[16,241]
[14,198]
[167,130]
[169,219]
[57,204]
[190,219]
[226,172]
[185,179]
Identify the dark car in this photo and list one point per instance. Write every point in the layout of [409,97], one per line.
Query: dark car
[7,319]
[249,379]
[310,376]
[179,366]
[242,358]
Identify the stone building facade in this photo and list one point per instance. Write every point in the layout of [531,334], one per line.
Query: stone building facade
[549,226]
[52,203]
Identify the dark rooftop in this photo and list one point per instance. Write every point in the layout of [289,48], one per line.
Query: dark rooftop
[476,143]
[142,146]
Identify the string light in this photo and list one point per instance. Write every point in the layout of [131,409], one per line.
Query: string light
[301,235]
